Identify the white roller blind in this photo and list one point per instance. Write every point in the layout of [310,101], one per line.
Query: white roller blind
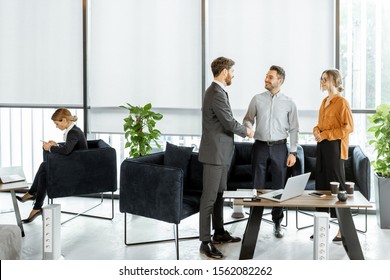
[41,47]
[150,51]
[297,35]
[143,52]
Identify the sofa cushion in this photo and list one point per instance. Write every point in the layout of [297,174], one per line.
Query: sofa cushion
[178,156]
[310,166]
[242,153]
[241,173]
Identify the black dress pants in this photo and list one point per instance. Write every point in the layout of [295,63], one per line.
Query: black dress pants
[329,168]
[39,186]
[273,158]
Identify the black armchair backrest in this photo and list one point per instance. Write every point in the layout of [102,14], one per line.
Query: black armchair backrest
[195,175]
[83,171]
[360,171]
[242,153]
[150,189]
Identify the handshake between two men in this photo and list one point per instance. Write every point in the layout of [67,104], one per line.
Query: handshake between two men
[249,132]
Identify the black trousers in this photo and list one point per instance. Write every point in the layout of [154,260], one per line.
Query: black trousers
[273,159]
[39,186]
[329,168]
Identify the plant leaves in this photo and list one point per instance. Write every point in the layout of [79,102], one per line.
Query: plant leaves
[139,128]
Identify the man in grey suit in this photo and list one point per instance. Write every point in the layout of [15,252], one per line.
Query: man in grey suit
[216,152]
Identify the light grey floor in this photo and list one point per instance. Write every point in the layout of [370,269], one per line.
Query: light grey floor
[94,239]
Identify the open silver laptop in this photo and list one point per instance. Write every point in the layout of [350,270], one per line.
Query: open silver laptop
[295,186]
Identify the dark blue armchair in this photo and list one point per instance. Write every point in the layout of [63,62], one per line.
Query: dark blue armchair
[152,189]
[83,172]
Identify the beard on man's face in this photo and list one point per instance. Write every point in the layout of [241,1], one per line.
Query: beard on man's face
[228,80]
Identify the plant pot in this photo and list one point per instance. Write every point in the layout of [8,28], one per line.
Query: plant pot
[382,198]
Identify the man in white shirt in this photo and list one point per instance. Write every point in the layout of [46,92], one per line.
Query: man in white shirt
[276,118]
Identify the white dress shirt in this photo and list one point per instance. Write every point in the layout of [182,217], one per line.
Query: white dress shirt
[220,84]
[67,130]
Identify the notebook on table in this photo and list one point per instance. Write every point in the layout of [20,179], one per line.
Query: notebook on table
[240,193]
[295,186]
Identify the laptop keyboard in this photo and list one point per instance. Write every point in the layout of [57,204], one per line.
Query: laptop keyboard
[278,196]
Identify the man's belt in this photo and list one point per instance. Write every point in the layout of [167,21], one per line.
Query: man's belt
[271,143]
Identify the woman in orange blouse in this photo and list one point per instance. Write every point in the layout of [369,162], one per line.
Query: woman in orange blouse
[335,123]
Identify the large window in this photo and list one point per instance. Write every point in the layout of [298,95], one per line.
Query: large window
[160,52]
[365,51]
[365,60]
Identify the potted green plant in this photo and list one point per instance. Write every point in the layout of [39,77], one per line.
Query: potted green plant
[381,132]
[140,129]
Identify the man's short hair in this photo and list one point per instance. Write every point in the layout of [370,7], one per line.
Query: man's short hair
[279,70]
[221,63]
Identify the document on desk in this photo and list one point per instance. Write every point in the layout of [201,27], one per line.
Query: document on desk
[240,193]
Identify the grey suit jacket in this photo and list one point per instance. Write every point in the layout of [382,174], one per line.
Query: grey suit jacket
[218,128]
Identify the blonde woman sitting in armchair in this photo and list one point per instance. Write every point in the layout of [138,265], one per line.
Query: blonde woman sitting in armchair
[74,140]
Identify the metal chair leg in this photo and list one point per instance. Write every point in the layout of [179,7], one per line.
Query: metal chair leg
[175,233]
[335,221]
[264,219]
[78,214]
[296,218]
[271,222]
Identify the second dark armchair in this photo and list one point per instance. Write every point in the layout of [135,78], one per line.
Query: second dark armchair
[151,187]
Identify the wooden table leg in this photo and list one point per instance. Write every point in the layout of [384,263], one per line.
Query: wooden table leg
[17,212]
[249,239]
[349,235]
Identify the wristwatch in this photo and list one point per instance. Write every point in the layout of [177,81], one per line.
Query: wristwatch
[293,153]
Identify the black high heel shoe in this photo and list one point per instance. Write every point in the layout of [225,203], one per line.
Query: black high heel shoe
[20,199]
[337,239]
[32,218]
